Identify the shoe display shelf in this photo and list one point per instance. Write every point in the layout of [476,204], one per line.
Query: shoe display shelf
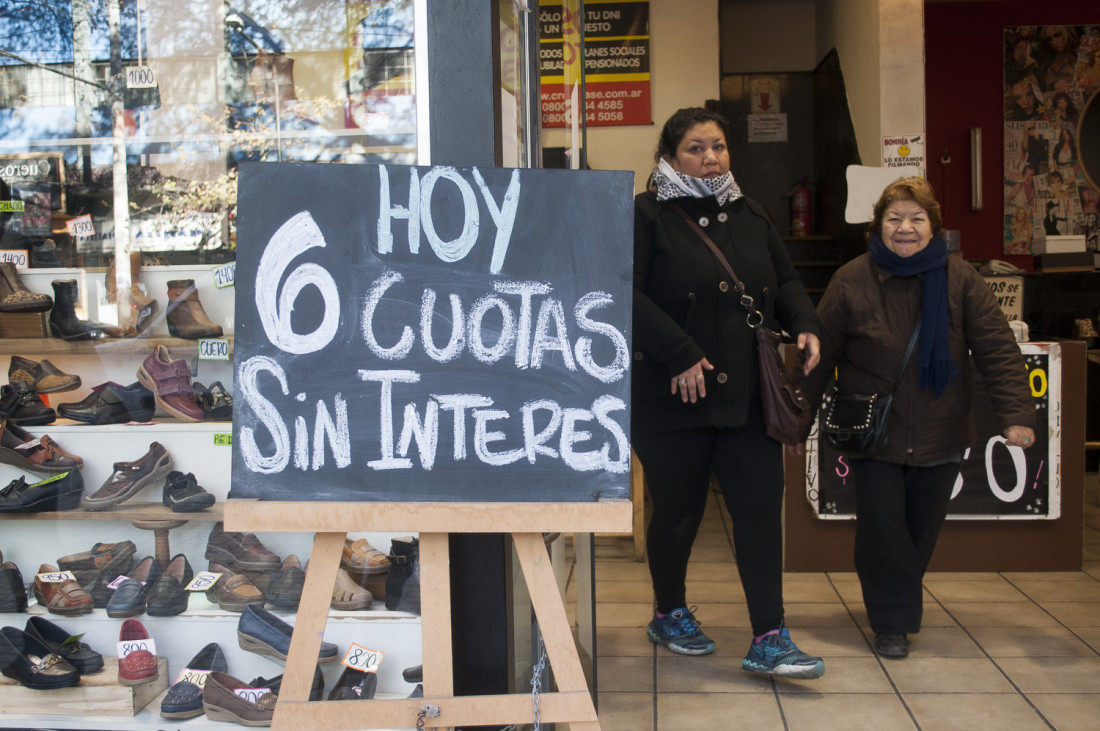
[30,540]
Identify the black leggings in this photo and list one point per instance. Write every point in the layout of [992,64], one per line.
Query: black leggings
[749,468]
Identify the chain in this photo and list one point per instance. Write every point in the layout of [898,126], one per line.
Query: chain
[428,710]
[536,682]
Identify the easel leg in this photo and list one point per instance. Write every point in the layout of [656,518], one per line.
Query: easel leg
[435,614]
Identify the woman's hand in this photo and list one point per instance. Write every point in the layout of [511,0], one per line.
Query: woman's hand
[811,351]
[691,384]
[1019,436]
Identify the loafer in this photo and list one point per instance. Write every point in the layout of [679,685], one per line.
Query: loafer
[184,699]
[130,596]
[22,405]
[221,703]
[62,491]
[262,632]
[275,685]
[13,590]
[14,295]
[182,494]
[347,595]
[361,559]
[168,597]
[67,598]
[103,558]
[140,666]
[100,586]
[60,641]
[27,660]
[239,551]
[354,685]
[43,377]
[40,455]
[130,478]
[233,591]
[110,403]
[170,382]
[216,401]
[892,645]
[285,589]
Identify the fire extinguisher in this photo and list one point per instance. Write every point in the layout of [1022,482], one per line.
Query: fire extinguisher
[802,210]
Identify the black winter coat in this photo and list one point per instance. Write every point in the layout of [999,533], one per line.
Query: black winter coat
[686,308]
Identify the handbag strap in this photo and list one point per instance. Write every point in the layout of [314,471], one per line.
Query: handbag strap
[746,299]
[908,354]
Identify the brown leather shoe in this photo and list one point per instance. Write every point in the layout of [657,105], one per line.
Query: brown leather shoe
[43,377]
[361,558]
[66,597]
[102,558]
[239,551]
[130,478]
[348,595]
[233,592]
[41,455]
[222,704]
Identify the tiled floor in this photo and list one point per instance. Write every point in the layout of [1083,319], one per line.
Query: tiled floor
[998,650]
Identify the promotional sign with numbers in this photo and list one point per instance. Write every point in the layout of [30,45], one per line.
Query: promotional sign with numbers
[995,481]
[435,334]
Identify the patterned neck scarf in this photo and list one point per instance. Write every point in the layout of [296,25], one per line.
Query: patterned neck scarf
[671,183]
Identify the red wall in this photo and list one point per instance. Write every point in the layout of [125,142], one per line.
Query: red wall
[963,89]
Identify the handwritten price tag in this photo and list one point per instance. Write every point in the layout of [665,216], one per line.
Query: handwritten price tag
[190,675]
[225,275]
[131,646]
[251,694]
[362,659]
[213,349]
[223,440]
[56,577]
[80,226]
[141,77]
[18,257]
[203,581]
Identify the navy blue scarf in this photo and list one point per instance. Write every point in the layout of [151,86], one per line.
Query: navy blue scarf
[937,368]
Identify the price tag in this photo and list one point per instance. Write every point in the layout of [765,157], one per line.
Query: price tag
[56,577]
[213,349]
[18,257]
[360,658]
[190,675]
[11,207]
[223,440]
[225,275]
[129,647]
[73,639]
[140,77]
[251,694]
[203,581]
[81,226]
[118,582]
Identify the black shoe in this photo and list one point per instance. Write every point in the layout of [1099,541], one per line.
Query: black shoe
[168,596]
[13,590]
[285,590]
[63,321]
[184,699]
[110,403]
[99,585]
[22,405]
[316,691]
[27,660]
[43,254]
[76,653]
[892,645]
[354,685]
[414,674]
[216,402]
[130,597]
[182,494]
[403,580]
[59,492]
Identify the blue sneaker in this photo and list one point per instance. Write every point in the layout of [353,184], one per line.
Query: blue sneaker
[776,654]
[679,631]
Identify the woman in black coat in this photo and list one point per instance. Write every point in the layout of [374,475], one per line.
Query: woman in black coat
[695,387]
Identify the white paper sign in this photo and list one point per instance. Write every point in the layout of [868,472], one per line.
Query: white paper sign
[141,77]
[55,577]
[767,127]
[80,226]
[18,257]
[128,647]
[203,581]
[900,151]
[363,659]
[865,185]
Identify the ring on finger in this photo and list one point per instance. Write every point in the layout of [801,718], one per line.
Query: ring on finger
[683,381]
[700,375]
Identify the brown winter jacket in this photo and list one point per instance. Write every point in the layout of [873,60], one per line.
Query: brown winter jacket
[867,317]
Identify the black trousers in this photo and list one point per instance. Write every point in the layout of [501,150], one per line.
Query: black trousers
[749,468]
[899,512]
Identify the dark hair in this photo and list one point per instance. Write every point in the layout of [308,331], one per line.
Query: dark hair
[678,125]
[914,189]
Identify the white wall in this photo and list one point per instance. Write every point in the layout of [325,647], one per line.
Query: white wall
[684,71]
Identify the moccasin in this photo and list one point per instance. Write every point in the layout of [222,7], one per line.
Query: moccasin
[43,377]
[110,403]
[130,596]
[78,654]
[13,590]
[260,631]
[285,589]
[102,558]
[239,551]
[140,665]
[221,703]
[27,660]
[40,455]
[233,592]
[66,598]
[62,491]
[168,596]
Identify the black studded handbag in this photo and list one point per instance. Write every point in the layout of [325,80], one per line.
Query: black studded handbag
[859,424]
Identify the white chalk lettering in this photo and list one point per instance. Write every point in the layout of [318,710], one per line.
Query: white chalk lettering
[386,212]
[507,338]
[266,413]
[335,433]
[523,336]
[601,408]
[458,328]
[571,435]
[504,216]
[374,295]
[621,362]
[385,425]
[457,403]
[426,433]
[535,442]
[483,437]
[458,248]
[551,311]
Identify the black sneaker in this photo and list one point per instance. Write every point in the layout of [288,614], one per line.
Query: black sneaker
[182,493]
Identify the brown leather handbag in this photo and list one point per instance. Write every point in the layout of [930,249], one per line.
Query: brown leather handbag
[786,409]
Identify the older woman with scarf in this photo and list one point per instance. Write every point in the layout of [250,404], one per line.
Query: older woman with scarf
[695,388]
[868,315]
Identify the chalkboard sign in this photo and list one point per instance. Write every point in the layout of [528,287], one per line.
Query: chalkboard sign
[996,481]
[432,334]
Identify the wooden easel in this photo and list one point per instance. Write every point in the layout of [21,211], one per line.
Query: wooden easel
[331,522]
